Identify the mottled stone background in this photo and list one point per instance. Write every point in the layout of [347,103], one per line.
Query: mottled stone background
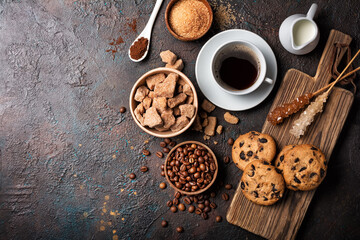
[66,150]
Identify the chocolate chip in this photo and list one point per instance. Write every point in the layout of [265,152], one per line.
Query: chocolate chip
[268,169]
[281,158]
[293,168]
[297,180]
[265,163]
[302,169]
[265,198]
[278,170]
[241,144]
[242,185]
[311,160]
[256,194]
[255,133]
[249,154]
[263,140]
[314,148]
[252,173]
[256,157]
[261,149]
[242,155]
[273,187]
[278,164]
[322,172]
[252,166]
[325,162]
[312,174]
[297,160]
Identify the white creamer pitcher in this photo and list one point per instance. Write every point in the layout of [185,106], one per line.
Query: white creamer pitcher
[299,33]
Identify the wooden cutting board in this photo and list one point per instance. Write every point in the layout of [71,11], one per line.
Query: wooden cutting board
[283,220]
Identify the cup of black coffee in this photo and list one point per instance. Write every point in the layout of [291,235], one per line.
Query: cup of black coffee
[239,67]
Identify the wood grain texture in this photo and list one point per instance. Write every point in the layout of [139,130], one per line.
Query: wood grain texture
[283,220]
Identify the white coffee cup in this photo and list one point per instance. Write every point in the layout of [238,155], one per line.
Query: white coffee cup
[242,50]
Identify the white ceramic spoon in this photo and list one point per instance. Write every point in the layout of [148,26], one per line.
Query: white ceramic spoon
[146,33]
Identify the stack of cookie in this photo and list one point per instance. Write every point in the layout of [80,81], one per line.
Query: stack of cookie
[297,167]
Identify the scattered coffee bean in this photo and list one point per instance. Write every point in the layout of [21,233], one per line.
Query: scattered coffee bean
[207,203]
[225,196]
[132,176]
[163,173]
[228,186]
[226,160]
[187,201]
[175,201]
[173,209]
[162,185]
[166,150]
[198,211]
[191,209]
[201,206]
[213,205]
[230,141]
[218,218]
[172,144]
[164,223]
[159,154]
[162,166]
[122,109]
[181,207]
[144,169]
[169,203]
[146,152]
[207,209]
[167,140]
[204,216]
[212,194]
[177,195]
[163,144]
[179,229]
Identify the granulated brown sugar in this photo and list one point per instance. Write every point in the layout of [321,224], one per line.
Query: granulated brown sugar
[189,18]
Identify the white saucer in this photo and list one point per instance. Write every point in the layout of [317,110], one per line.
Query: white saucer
[207,83]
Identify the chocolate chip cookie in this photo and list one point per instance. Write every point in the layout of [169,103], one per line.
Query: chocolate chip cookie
[304,167]
[253,146]
[261,183]
[280,157]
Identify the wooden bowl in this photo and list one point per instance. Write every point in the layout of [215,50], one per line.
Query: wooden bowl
[133,103]
[201,190]
[167,12]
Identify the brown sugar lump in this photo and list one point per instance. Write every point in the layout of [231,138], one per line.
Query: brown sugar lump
[151,94]
[205,122]
[178,99]
[177,111]
[141,93]
[154,79]
[178,65]
[197,124]
[180,123]
[207,106]
[187,90]
[231,118]
[189,100]
[147,102]
[168,118]
[139,111]
[187,110]
[210,128]
[167,87]
[160,103]
[168,57]
[152,118]
[219,129]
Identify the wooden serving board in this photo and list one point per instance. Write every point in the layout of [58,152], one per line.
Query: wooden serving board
[283,220]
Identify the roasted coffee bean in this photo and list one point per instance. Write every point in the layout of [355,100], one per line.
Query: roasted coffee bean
[218,218]
[169,203]
[163,144]
[172,144]
[164,223]
[163,173]
[207,203]
[146,152]
[162,185]
[132,176]
[179,229]
[207,209]
[191,209]
[175,201]
[181,207]
[226,160]
[177,195]
[173,209]
[167,140]
[159,154]
[225,196]
[144,169]
[230,141]
[201,206]
[242,155]
[122,109]
[213,205]
[166,150]
[198,211]
[204,216]
[228,186]
[187,201]
[212,194]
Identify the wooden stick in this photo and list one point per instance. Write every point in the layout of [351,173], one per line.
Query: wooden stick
[342,78]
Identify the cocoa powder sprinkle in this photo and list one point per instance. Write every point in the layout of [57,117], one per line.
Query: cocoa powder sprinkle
[138,49]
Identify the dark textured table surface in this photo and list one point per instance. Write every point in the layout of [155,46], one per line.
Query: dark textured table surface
[66,150]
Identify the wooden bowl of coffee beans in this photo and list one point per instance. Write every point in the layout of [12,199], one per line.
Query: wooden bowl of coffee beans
[191,167]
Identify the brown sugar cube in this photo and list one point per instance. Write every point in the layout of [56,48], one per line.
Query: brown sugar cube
[181,81]
[152,118]
[160,103]
[189,100]
[139,111]
[151,94]
[206,137]
[210,128]
[168,118]
[230,118]
[207,106]
[203,115]
[197,124]
[147,102]
[187,110]
[167,87]
[178,65]
[141,93]
[219,129]
[152,80]
[187,90]
[205,122]
[180,123]
[177,111]
[178,99]
[179,88]
[168,57]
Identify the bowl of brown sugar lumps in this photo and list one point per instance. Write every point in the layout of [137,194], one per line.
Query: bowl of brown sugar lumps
[188,20]
[163,102]
[191,168]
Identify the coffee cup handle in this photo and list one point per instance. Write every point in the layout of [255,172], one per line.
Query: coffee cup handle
[269,81]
